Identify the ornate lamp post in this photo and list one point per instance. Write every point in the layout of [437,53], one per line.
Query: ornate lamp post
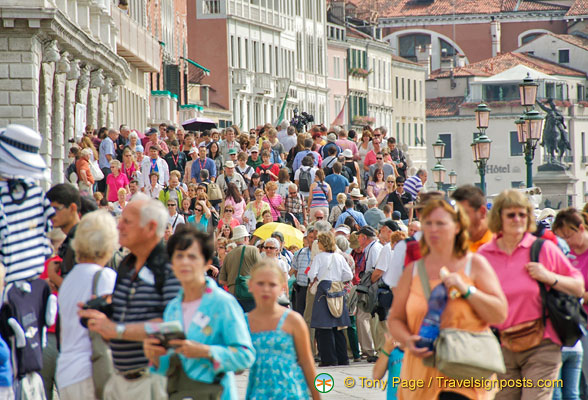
[530,124]
[439,170]
[481,144]
[452,182]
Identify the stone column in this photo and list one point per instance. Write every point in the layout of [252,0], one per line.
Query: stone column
[96,83]
[83,86]
[103,103]
[50,57]
[70,102]
[112,98]
[58,146]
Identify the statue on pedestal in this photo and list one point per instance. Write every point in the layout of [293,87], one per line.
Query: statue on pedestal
[555,137]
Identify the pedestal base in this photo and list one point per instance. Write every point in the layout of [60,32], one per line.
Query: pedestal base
[557,186]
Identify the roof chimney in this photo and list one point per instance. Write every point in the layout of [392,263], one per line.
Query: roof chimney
[338,9]
[496,37]
[423,55]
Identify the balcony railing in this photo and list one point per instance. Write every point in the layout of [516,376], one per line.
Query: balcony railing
[282,85]
[263,83]
[240,78]
[164,108]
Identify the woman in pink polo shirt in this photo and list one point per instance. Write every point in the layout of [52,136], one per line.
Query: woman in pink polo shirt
[530,350]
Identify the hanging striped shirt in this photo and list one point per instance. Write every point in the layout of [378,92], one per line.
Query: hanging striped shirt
[23,242]
[138,300]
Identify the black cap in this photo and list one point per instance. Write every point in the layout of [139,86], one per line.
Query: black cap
[368,231]
[393,226]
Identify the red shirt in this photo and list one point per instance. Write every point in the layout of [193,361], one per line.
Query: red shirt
[45,275]
[274,168]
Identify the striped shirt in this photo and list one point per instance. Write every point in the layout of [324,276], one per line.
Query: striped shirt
[413,186]
[23,243]
[138,300]
[319,195]
[300,263]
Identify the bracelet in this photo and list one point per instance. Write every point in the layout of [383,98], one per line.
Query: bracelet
[384,353]
[467,294]
[555,283]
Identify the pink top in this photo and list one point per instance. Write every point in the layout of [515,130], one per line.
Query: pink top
[348,144]
[274,203]
[130,172]
[581,263]
[114,184]
[234,223]
[522,291]
[370,158]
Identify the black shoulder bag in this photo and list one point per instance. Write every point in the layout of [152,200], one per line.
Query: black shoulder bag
[566,313]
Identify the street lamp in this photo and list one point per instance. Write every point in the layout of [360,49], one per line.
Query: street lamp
[530,124]
[439,175]
[481,143]
[439,150]
[452,183]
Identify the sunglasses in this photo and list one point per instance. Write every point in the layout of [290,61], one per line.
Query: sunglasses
[269,248]
[229,211]
[401,184]
[379,158]
[390,182]
[221,247]
[199,209]
[319,217]
[521,215]
[171,205]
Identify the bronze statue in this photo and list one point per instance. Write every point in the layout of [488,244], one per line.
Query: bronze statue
[555,136]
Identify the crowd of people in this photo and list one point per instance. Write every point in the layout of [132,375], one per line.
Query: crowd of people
[161,233]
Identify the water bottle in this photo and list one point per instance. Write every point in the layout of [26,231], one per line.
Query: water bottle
[430,326]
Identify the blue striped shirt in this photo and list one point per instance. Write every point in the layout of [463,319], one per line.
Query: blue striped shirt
[300,263]
[413,186]
[23,242]
[138,300]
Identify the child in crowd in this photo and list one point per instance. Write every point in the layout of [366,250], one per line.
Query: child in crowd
[284,366]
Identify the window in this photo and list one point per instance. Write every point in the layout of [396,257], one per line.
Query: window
[447,50]
[583,146]
[232,51]
[319,56]
[446,138]
[408,44]
[416,135]
[263,58]
[396,86]
[416,97]
[276,58]
[516,148]
[211,7]
[402,88]
[422,136]
[297,7]
[246,54]
[255,56]
[299,50]
[421,90]
[408,87]
[397,131]
[239,52]
[563,56]
[500,92]
[530,37]
[580,92]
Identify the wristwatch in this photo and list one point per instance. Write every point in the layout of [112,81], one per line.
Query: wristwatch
[471,290]
[120,330]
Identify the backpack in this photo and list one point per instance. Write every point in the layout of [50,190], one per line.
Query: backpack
[346,172]
[213,191]
[244,174]
[265,178]
[329,168]
[566,313]
[304,180]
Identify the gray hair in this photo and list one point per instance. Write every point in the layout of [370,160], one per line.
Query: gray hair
[284,124]
[336,129]
[87,152]
[96,236]
[154,210]
[322,226]
[133,135]
[293,186]
[273,241]
[342,243]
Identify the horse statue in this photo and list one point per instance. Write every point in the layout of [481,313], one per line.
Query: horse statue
[555,137]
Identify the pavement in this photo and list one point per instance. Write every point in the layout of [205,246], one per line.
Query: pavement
[355,371]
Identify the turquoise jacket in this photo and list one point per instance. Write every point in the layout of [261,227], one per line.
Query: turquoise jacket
[220,324]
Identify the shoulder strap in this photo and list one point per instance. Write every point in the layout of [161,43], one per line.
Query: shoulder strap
[241,261]
[535,251]
[282,320]
[420,265]
[468,267]
[95,281]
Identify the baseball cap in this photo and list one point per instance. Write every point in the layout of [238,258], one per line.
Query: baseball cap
[202,144]
[255,149]
[343,229]
[233,151]
[368,231]
[393,226]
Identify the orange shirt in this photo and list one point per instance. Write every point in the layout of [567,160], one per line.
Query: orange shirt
[83,165]
[474,246]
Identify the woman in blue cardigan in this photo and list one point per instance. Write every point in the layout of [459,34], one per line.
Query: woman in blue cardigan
[217,340]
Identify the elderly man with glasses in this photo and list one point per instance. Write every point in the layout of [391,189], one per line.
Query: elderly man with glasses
[295,205]
[175,218]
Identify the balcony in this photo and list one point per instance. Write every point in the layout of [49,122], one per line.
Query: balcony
[135,43]
[164,108]
[263,84]
[240,79]
[282,86]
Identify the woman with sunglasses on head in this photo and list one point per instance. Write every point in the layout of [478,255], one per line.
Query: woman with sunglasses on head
[226,232]
[481,303]
[530,349]
[201,216]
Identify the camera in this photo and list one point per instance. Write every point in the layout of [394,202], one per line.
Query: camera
[100,304]
[301,120]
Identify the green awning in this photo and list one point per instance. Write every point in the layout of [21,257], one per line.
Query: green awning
[191,106]
[194,63]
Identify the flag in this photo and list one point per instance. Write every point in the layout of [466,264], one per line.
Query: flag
[283,109]
[340,121]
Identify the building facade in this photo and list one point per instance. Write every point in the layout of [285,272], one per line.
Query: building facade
[59,70]
[268,53]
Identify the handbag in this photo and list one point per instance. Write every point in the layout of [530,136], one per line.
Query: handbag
[180,386]
[96,171]
[102,367]
[242,282]
[335,297]
[280,219]
[567,315]
[463,354]
[523,336]
[313,286]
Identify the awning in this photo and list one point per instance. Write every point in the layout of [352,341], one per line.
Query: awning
[194,63]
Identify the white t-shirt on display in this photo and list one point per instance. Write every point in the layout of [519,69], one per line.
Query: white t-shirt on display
[74,364]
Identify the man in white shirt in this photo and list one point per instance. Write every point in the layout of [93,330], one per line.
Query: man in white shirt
[368,242]
[156,164]
[228,144]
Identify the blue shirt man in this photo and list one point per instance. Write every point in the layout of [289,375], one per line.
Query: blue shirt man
[337,182]
[350,212]
[203,162]
[107,152]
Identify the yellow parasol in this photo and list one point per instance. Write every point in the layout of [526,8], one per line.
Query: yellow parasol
[292,236]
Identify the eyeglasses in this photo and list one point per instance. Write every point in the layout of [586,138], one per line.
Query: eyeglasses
[521,215]
[199,209]
[291,192]
[171,205]
[221,247]
[59,208]
[229,211]
[269,248]
[378,136]
[390,182]
[319,217]
[401,184]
